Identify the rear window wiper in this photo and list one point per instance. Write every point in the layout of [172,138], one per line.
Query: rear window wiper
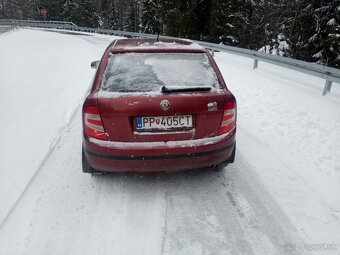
[171,89]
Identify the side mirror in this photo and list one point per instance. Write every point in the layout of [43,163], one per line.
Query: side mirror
[95,64]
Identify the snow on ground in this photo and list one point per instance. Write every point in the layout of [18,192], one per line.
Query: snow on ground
[44,77]
[281,196]
[290,135]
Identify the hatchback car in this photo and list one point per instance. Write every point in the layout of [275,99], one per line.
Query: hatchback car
[157,106]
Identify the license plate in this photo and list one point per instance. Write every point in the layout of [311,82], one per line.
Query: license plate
[164,122]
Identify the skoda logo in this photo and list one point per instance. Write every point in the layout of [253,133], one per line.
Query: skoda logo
[165,104]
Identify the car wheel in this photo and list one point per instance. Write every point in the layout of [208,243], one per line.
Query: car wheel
[85,164]
[232,157]
[226,162]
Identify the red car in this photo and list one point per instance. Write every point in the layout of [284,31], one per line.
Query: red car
[157,106]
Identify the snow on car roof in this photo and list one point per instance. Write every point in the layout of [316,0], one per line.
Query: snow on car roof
[146,44]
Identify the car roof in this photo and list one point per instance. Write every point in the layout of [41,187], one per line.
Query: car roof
[152,45]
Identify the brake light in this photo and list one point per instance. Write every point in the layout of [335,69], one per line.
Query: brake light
[93,125]
[228,122]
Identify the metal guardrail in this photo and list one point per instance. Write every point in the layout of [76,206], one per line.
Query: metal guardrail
[37,23]
[329,74]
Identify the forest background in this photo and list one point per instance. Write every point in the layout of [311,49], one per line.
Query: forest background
[302,29]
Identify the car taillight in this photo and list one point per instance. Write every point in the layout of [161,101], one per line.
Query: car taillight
[229,117]
[93,125]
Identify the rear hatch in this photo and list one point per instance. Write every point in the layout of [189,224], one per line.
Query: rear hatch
[127,118]
[160,97]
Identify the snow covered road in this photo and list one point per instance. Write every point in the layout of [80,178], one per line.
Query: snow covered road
[66,212]
[281,196]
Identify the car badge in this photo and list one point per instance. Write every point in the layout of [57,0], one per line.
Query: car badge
[212,106]
[165,105]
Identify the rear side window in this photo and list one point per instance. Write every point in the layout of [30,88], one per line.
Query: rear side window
[144,72]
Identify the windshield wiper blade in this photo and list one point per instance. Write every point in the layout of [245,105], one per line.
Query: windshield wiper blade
[166,89]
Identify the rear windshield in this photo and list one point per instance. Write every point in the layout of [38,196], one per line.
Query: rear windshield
[143,72]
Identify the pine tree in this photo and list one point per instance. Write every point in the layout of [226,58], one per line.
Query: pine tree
[331,43]
[54,8]
[13,9]
[326,37]
[108,14]
[18,9]
[122,14]
[185,18]
[301,29]
[105,13]
[29,9]
[89,16]
[2,9]
[71,12]
[133,22]
[269,26]
[113,16]
[229,21]
[174,18]
[200,18]
[152,16]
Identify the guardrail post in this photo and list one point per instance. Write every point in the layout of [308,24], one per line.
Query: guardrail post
[327,88]
[213,53]
[256,63]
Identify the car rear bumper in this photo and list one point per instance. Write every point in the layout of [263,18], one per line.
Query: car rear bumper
[159,156]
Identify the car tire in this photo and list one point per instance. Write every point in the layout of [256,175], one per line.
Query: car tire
[226,162]
[232,157]
[85,164]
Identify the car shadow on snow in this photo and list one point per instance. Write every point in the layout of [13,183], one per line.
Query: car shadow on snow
[199,175]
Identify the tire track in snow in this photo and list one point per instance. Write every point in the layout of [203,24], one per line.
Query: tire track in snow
[258,209]
[53,145]
[200,217]
[131,210]
[59,198]
[224,213]
[203,211]
[295,201]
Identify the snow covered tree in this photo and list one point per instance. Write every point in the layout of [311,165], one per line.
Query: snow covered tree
[303,29]
[174,18]
[12,9]
[188,18]
[108,14]
[299,29]
[269,26]
[71,11]
[134,16]
[89,16]
[229,21]
[152,16]
[54,8]
[122,14]
[331,43]
[326,36]
[105,13]
[2,9]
